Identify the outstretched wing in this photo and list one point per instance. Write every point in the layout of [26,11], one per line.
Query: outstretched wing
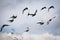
[11,20]
[41,23]
[3,27]
[50,7]
[13,17]
[43,8]
[24,9]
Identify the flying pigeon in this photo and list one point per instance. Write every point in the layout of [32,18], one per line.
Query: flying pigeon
[11,20]
[33,14]
[27,29]
[43,8]
[24,9]
[51,7]
[3,26]
[50,20]
[13,17]
[41,23]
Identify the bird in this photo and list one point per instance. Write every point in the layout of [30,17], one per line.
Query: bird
[41,23]
[51,7]
[26,8]
[50,20]
[27,29]
[3,27]
[32,14]
[13,17]
[43,8]
[11,20]
[12,31]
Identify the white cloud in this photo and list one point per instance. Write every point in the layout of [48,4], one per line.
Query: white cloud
[27,36]
[5,36]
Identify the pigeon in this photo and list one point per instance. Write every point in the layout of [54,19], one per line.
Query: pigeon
[51,7]
[50,20]
[43,8]
[24,9]
[41,23]
[3,26]
[13,17]
[33,14]
[11,20]
[27,29]
[12,31]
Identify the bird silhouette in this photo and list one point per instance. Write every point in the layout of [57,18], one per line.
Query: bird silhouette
[11,20]
[50,20]
[41,23]
[3,27]
[24,9]
[13,17]
[51,7]
[43,8]
[12,31]
[33,14]
[27,29]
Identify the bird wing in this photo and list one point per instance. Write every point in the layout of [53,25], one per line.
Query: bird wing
[13,17]
[11,20]
[35,12]
[41,23]
[3,27]
[50,7]
[43,8]
[49,21]
[24,9]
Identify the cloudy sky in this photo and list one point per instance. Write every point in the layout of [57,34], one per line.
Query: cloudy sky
[9,8]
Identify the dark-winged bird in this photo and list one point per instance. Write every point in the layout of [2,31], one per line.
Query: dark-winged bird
[12,31]
[27,29]
[41,23]
[24,9]
[43,8]
[13,17]
[50,7]
[11,20]
[3,27]
[33,14]
[50,20]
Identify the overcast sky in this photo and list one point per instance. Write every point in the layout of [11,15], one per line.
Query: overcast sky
[9,8]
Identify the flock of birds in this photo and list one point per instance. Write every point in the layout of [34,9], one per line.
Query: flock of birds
[41,23]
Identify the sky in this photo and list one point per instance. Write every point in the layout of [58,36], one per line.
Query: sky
[9,8]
